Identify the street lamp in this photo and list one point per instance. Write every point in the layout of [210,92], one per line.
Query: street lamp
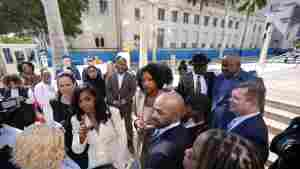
[154,45]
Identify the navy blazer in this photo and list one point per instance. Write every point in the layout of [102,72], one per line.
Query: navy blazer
[167,151]
[186,84]
[255,130]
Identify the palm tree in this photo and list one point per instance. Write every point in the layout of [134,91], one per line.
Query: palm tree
[249,7]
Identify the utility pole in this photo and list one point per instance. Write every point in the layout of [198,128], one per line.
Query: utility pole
[56,32]
[117,5]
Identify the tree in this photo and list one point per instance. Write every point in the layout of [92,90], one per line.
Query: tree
[249,7]
[27,17]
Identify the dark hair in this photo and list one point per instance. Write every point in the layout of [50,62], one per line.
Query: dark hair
[20,66]
[102,111]
[255,90]
[61,75]
[12,78]
[200,58]
[215,149]
[200,103]
[160,73]
[182,66]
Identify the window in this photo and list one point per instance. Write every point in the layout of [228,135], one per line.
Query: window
[195,45]
[197,19]
[203,45]
[233,46]
[259,29]
[136,38]
[102,44]
[230,24]
[215,22]
[172,45]
[97,42]
[103,7]
[161,14]
[183,45]
[222,23]
[212,45]
[195,38]
[137,14]
[237,25]
[174,16]
[206,20]
[186,18]
[254,28]
[7,55]
[160,37]
[219,45]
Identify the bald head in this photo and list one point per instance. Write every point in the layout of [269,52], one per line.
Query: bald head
[169,108]
[231,65]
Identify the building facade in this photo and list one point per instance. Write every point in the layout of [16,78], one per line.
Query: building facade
[285,19]
[166,24]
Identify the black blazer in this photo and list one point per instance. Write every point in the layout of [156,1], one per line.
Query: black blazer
[22,92]
[186,84]
[167,151]
[60,110]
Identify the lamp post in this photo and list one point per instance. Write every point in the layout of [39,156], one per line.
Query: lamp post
[56,32]
[154,45]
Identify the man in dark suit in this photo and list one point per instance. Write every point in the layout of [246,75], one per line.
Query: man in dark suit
[121,88]
[170,138]
[246,102]
[232,75]
[199,81]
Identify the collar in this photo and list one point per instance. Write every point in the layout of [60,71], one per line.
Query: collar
[196,75]
[238,120]
[164,129]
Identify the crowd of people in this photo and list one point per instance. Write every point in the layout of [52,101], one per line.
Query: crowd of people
[121,120]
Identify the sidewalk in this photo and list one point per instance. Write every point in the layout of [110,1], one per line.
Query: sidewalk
[283,86]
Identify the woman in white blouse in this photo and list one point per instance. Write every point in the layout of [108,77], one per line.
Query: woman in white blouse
[98,126]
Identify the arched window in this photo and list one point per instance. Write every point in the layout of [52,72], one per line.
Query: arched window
[97,42]
[102,44]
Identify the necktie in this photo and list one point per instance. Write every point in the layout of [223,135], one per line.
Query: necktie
[198,89]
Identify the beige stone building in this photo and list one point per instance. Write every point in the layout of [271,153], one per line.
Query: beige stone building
[166,24]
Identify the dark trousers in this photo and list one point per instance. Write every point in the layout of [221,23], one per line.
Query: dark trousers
[126,114]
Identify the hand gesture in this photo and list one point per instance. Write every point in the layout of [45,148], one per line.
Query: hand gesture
[83,130]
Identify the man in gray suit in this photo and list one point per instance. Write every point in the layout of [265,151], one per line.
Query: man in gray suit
[121,87]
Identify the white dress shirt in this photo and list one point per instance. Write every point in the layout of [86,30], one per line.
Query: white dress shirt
[203,83]
[120,79]
[43,93]
[238,120]
[108,145]
[160,131]
[14,93]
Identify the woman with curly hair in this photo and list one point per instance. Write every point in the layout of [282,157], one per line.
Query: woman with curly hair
[216,149]
[153,79]
[97,129]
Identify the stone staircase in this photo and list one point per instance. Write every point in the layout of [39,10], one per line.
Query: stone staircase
[277,117]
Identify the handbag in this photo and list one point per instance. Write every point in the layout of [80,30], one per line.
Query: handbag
[287,146]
